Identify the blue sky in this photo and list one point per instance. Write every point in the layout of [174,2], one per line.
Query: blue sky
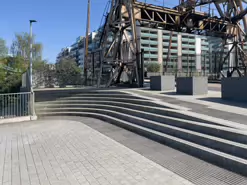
[60,22]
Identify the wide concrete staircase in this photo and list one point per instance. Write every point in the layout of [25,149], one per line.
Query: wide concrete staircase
[215,143]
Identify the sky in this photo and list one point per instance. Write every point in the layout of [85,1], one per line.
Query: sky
[60,22]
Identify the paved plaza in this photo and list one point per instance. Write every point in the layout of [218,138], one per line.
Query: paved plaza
[65,152]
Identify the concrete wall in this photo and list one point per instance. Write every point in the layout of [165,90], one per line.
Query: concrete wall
[234,88]
[25,82]
[179,64]
[160,50]
[198,54]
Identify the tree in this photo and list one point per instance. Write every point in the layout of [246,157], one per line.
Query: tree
[153,67]
[3,48]
[43,74]
[11,70]
[21,47]
[68,73]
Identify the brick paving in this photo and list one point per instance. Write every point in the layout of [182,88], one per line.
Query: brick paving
[53,152]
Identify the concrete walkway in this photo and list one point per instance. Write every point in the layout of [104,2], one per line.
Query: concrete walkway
[63,152]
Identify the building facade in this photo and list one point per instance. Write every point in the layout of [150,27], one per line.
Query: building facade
[77,50]
[176,51]
[185,52]
[64,53]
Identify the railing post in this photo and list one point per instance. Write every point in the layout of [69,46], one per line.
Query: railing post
[32,106]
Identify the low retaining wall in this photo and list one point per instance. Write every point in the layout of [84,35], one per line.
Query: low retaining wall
[17,119]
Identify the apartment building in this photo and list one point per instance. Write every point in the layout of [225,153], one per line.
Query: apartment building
[188,52]
[64,53]
[77,50]
[176,51]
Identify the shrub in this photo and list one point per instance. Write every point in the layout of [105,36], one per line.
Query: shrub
[153,67]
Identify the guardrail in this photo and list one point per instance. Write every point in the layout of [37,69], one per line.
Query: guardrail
[16,105]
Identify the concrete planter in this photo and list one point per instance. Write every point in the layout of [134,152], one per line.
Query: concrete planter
[234,88]
[162,83]
[192,85]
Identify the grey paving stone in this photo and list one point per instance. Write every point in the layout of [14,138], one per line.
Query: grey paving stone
[62,152]
[195,170]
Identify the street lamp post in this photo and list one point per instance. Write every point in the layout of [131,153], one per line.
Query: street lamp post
[31,56]
[31,72]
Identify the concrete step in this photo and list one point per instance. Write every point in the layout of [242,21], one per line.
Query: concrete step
[80,100]
[144,112]
[151,109]
[138,117]
[167,135]
[80,91]
[107,95]
[50,95]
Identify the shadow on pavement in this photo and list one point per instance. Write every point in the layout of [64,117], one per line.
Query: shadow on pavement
[175,93]
[225,102]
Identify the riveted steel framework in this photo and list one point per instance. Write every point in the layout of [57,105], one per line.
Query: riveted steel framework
[125,16]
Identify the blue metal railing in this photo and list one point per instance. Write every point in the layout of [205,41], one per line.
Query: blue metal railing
[15,105]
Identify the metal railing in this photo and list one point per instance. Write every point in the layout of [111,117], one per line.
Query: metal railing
[15,105]
[211,64]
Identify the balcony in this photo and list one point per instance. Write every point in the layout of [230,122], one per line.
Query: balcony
[188,40]
[188,52]
[189,45]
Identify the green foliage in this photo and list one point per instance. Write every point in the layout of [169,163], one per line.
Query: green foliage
[12,68]
[10,80]
[43,74]
[68,73]
[21,47]
[3,48]
[153,67]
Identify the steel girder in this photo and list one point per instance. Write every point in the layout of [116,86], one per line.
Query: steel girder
[121,29]
[120,18]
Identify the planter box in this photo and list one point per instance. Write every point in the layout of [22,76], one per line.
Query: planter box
[234,88]
[162,83]
[192,85]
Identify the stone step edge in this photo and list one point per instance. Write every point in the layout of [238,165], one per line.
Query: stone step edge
[220,127]
[185,113]
[67,103]
[217,139]
[189,112]
[209,151]
[59,101]
[103,94]
[110,98]
[120,98]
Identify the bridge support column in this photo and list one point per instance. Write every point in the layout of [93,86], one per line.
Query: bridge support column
[160,51]
[179,61]
[198,55]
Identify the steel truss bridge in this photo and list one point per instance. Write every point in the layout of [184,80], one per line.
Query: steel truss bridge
[120,44]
